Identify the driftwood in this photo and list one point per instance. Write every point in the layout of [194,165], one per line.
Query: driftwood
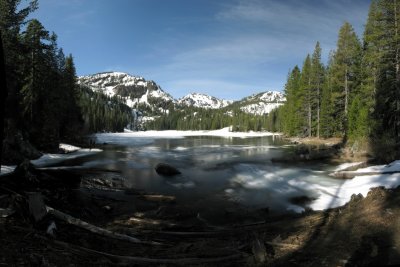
[95,229]
[158,198]
[135,220]
[141,260]
[352,174]
[285,245]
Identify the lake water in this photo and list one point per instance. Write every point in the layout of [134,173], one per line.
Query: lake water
[217,172]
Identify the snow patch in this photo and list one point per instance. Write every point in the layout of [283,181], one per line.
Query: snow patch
[50,159]
[327,192]
[145,137]
[68,148]
[203,101]
[7,169]
[392,167]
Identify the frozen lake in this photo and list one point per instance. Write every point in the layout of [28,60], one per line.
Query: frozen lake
[220,172]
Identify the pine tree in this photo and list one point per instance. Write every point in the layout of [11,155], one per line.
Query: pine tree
[305,99]
[12,18]
[35,71]
[345,74]
[327,110]
[364,105]
[387,112]
[290,121]
[317,80]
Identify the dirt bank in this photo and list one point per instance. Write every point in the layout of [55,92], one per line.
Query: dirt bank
[333,149]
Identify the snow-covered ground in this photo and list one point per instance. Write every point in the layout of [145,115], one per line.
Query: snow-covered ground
[7,169]
[224,132]
[71,152]
[335,196]
[327,192]
[147,137]
[392,167]
[346,165]
[68,148]
[50,159]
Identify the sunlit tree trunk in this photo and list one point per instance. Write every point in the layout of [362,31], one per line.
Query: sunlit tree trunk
[3,86]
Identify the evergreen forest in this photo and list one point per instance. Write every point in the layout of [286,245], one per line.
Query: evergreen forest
[356,95]
[44,104]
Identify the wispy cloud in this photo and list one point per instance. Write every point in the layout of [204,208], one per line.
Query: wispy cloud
[297,17]
[306,20]
[261,40]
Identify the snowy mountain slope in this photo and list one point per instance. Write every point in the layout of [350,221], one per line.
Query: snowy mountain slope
[261,103]
[134,90]
[138,92]
[203,101]
[267,97]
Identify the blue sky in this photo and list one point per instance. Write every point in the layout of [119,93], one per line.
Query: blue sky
[227,48]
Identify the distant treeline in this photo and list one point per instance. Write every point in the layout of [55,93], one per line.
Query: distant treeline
[193,118]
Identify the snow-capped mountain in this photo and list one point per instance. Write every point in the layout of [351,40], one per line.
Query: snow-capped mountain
[138,92]
[262,103]
[203,101]
[134,90]
[267,97]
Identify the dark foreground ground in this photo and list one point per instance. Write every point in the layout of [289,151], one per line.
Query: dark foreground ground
[365,232]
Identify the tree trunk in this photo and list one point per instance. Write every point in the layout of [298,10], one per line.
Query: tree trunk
[318,109]
[346,92]
[396,33]
[397,62]
[4,93]
[309,108]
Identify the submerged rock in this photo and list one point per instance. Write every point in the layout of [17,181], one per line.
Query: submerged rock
[301,200]
[166,169]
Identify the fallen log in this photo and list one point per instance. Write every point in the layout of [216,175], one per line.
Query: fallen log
[135,220]
[95,229]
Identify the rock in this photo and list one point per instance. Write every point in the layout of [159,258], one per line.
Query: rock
[301,200]
[166,169]
[107,208]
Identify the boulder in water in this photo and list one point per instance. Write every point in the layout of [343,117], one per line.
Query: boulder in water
[166,169]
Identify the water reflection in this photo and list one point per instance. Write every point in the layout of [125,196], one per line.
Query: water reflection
[236,170]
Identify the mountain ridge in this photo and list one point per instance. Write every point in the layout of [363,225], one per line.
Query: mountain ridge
[138,92]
